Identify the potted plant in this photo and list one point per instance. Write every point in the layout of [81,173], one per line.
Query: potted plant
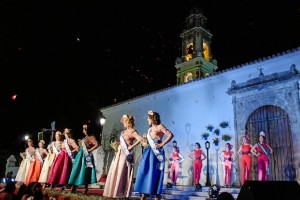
[205,135]
[210,127]
[224,124]
[216,141]
[217,131]
[226,137]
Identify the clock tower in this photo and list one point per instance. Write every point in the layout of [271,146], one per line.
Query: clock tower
[196,60]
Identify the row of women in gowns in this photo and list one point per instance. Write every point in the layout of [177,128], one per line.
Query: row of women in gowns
[50,166]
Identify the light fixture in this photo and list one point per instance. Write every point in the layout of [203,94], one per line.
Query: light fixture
[174,143]
[198,188]
[102,120]
[213,191]
[169,185]
[207,144]
[26,137]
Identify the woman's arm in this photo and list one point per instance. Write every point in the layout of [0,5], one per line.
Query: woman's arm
[182,158]
[240,151]
[94,142]
[138,139]
[166,132]
[253,150]
[191,155]
[271,150]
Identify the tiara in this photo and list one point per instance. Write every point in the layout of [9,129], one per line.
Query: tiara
[150,112]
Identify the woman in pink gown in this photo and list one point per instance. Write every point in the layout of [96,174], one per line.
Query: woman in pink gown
[54,149]
[62,165]
[120,175]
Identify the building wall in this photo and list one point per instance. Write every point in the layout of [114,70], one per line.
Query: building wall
[188,108]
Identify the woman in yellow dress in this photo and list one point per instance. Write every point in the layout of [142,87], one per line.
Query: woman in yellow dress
[27,156]
[54,149]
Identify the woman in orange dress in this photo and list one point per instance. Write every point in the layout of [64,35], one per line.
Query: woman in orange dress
[36,165]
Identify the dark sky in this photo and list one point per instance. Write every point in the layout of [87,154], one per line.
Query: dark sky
[66,60]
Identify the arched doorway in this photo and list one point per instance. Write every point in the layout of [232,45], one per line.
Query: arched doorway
[275,122]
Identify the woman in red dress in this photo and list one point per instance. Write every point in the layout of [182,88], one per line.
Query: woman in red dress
[197,155]
[262,151]
[245,159]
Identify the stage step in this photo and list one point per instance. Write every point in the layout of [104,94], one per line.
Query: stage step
[188,193]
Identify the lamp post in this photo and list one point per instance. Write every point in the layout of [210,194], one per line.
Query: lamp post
[207,145]
[174,143]
[102,122]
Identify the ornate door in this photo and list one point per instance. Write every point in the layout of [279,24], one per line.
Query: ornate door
[276,124]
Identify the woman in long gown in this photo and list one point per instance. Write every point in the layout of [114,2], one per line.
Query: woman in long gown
[54,149]
[36,165]
[62,165]
[150,174]
[120,176]
[83,170]
[27,156]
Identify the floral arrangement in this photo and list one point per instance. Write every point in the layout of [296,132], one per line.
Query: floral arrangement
[115,145]
[217,131]
[58,194]
[204,135]
[216,141]
[224,124]
[144,141]
[226,137]
[210,127]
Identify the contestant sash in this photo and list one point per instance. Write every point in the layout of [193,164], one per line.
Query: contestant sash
[265,151]
[124,148]
[88,157]
[38,155]
[28,155]
[158,152]
[68,150]
[55,150]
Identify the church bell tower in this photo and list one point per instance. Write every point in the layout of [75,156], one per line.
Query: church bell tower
[196,60]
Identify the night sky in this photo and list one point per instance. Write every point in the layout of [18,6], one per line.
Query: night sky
[64,61]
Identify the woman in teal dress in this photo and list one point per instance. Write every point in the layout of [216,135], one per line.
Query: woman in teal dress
[83,171]
[150,174]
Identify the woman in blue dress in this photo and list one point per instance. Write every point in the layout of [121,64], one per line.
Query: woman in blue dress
[150,174]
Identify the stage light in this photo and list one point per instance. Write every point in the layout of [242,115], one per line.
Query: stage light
[198,188]
[213,191]
[169,185]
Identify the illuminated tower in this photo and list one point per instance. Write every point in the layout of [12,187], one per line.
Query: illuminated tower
[196,60]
